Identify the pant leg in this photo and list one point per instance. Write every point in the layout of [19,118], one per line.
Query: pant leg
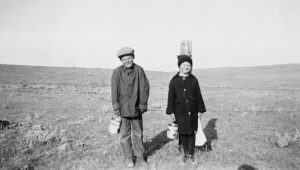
[179,139]
[180,147]
[184,142]
[137,136]
[188,143]
[191,144]
[125,137]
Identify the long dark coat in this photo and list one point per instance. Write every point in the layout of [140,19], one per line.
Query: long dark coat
[185,101]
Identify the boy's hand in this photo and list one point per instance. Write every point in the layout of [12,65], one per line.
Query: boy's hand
[117,112]
[173,117]
[143,111]
[200,115]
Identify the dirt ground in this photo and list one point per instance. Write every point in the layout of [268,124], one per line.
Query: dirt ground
[58,119]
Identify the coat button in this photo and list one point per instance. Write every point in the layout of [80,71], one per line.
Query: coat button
[184,89]
[187,101]
[189,113]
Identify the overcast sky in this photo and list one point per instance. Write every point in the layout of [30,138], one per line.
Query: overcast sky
[88,33]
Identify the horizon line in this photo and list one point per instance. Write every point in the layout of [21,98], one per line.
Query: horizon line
[207,68]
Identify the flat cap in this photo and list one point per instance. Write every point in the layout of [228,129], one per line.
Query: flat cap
[124,51]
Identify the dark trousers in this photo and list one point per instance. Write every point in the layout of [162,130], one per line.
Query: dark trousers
[188,143]
[131,139]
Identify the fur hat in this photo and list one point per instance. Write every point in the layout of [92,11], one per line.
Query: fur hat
[124,51]
[184,58]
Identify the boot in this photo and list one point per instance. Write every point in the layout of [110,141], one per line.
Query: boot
[141,161]
[191,158]
[129,162]
[184,158]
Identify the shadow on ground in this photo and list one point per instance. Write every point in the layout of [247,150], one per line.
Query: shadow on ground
[161,139]
[156,143]
[210,130]
[246,167]
[210,133]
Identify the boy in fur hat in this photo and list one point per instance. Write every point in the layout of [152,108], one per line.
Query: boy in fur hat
[185,102]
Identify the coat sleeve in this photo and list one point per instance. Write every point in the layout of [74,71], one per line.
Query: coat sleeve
[144,89]
[171,98]
[115,90]
[200,102]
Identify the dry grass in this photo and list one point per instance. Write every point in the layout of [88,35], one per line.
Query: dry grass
[63,115]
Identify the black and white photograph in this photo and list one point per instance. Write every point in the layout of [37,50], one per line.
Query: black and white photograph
[150,85]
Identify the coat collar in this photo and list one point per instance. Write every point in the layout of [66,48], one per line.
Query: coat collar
[177,75]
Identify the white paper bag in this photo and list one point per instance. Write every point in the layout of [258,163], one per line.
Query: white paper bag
[200,137]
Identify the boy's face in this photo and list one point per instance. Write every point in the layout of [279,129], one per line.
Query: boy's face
[127,61]
[185,67]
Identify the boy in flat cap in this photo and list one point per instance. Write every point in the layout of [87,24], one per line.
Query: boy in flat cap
[130,92]
[185,102]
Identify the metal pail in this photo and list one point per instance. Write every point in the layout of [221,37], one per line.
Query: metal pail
[114,125]
[172,131]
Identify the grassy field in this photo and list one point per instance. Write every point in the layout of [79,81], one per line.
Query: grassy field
[59,119]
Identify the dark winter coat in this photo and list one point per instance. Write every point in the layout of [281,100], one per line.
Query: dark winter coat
[185,101]
[129,90]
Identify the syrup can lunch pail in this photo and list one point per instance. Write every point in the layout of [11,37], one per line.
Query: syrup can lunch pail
[114,125]
[172,131]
